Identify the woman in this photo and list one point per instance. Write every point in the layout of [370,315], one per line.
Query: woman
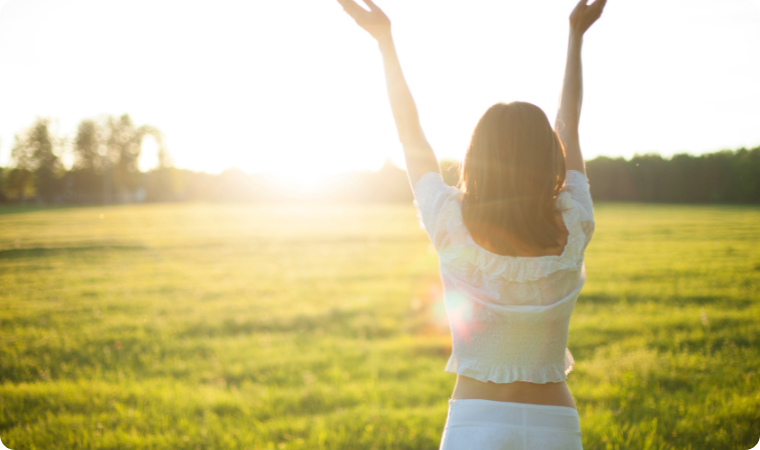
[510,244]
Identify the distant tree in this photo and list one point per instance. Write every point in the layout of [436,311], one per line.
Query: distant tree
[725,176]
[17,184]
[746,168]
[124,144]
[391,184]
[106,153]
[86,145]
[451,171]
[610,179]
[34,152]
[87,172]
[20,182]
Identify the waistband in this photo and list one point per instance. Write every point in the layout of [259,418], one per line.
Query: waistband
[489,413]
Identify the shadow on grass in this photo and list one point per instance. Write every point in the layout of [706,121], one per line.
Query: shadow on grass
[681,335]
[680,301]
[46,252]
[26,209]
[337,322]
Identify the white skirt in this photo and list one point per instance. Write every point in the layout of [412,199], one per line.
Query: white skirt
[491,425]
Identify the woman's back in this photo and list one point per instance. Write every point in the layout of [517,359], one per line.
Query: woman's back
[509,315]
[505,279]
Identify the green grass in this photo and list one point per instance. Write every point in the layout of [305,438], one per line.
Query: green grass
[252,327]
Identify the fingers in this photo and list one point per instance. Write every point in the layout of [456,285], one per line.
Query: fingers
[598,4]
[372,5]
[580,7]
[585,12]
[346,4]
[596,8]
[351,7]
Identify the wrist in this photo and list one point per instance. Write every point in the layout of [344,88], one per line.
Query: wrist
[384,40]
[576,36]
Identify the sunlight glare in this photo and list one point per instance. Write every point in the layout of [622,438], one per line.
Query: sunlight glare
[149,154]
[268,86]
[301,178]
[460,313]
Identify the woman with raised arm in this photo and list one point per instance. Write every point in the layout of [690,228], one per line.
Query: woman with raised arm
[510,241]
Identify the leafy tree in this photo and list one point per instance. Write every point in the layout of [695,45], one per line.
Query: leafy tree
[17,184]
[611,179]
[724,176]
[34,152]
[87,173]
[86,145]
[106,153]
[123,150]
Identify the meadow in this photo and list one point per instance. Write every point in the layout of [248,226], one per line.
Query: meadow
[212,326]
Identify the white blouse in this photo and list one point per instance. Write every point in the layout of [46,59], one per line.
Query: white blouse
[509,315]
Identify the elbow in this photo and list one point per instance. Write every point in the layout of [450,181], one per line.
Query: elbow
[570,140]
[566,125]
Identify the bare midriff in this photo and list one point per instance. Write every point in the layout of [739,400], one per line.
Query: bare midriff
[557,394]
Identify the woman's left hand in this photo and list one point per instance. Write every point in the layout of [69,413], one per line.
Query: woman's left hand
[374,21]
[584,15]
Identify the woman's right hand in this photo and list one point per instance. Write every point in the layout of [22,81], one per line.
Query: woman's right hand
[374,21]
[584,15]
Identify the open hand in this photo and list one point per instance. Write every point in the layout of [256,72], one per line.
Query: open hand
[374,21]
[584,15]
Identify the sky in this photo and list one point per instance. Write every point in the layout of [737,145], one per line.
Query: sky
[297,88]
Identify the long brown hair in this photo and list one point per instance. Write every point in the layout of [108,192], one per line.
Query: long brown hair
[511,177]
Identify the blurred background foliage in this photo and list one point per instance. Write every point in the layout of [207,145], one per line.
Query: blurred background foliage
[104,169]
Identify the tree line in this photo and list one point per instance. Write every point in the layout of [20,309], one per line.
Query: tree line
[105,153]
[106,150]
[720,177]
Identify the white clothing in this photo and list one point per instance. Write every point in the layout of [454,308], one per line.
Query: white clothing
[508,315]
[490,425]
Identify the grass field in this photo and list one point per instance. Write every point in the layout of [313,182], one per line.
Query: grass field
[250,327]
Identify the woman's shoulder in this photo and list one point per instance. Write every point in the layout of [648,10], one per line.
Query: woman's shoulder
[575,194]
[574,178]
[434,200]
[576,205]
[432,196]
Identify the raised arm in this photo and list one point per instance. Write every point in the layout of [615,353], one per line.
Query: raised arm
[420,158]
[569,113]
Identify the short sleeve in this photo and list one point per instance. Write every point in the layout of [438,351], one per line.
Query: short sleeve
[577,185]
[431,196]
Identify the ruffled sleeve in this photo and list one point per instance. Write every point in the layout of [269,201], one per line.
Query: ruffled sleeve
[431,195]
[576,184]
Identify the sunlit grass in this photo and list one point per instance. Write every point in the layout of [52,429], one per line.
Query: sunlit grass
[230,326]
